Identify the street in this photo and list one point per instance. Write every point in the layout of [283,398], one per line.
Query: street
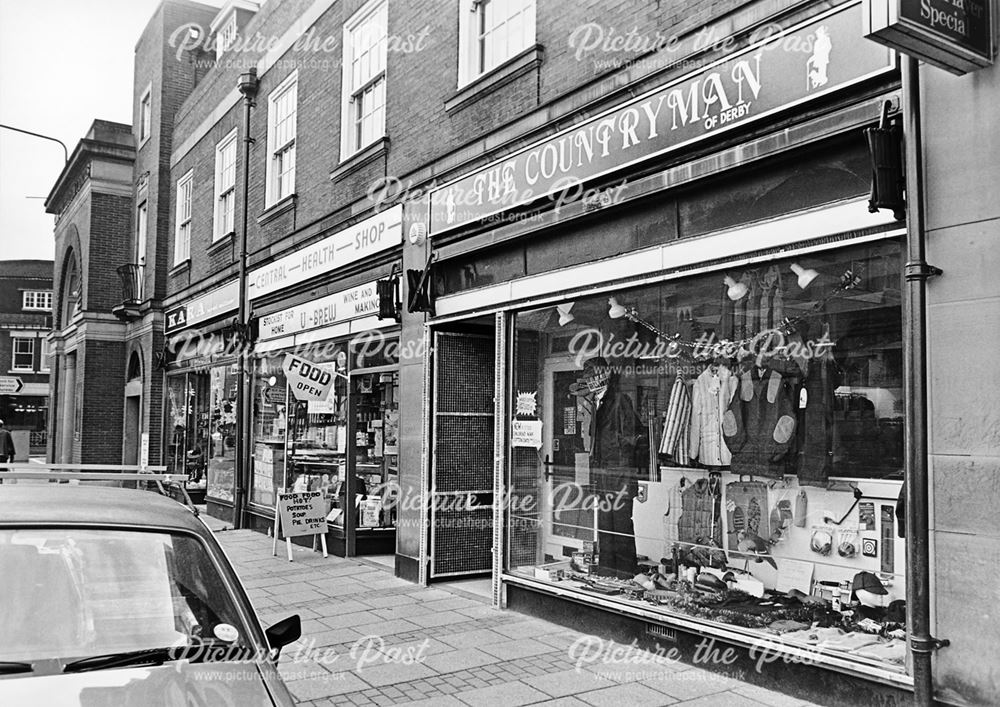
[369,638]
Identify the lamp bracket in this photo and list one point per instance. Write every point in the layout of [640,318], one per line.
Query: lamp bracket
[920,271]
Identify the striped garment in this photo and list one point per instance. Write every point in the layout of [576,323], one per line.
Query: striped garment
[677,423]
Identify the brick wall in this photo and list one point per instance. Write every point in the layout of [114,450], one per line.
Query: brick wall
[100,385]
[111,218]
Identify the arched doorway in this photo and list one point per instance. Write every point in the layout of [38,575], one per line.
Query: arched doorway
[132,438]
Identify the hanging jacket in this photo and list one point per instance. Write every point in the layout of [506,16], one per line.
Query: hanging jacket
[677,424]
[710,398]
[759,426]
[816,423]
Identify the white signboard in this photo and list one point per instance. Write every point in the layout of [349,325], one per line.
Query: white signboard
[307,380]
[9,385]
[373,235]
[144,451]
[213,303]
[357,302]
[526,433]
[302,513]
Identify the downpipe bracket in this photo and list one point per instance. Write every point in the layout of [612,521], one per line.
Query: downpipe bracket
[927,644]
[920,271]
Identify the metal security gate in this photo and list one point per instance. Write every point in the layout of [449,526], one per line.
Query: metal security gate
[462,431]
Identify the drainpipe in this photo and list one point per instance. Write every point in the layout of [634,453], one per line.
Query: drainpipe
[917,271]
[247,85]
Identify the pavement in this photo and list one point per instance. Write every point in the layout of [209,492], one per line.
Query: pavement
[369,638]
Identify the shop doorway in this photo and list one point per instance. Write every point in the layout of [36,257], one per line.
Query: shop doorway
[462,431]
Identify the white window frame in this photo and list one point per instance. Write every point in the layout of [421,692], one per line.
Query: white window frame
[141,231]
[225,194]
[36,300]
[184,211]
[43,359]
[353,96]
[145,114]
[15,340]
[225,35]
[471,60]
[279,155]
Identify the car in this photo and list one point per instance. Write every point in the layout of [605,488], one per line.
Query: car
[114,596]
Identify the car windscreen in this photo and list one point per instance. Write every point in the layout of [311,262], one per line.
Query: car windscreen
[72,592]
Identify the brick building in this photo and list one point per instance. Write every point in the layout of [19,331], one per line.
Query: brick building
[644,205]
[25,318]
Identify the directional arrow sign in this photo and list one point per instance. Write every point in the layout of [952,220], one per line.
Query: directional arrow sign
[9,385]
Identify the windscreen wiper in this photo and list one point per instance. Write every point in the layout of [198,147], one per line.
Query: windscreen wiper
[152,656]
[8,667]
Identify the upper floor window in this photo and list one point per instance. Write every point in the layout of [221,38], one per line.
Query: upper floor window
[24,354]
[141,226]
[365,46]
[281,114]
[182,235]
[145,114]
[40,300]
[226,35]
[225,186]
[491,32]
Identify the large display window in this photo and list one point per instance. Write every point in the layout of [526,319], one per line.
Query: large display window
[726,447]
[221,469]
[187,433]
[348,439]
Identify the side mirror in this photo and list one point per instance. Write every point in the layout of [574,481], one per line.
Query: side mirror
[284,632]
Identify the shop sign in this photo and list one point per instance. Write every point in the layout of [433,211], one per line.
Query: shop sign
[302,513]
[361,301]
[955,35]
[207,306]
[526,433]
[10,385]
[791,67]
[307,380]
[373,235]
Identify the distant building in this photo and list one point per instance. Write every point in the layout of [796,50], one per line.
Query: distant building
[25,320]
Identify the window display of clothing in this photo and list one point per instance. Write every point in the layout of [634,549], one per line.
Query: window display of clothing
[677,424]
[710,397]
[701,522]
[759,426]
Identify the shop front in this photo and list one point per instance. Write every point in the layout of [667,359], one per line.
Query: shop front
[200,403]
[677,397]
[343,442]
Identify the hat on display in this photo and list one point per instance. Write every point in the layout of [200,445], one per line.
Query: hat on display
[869,589]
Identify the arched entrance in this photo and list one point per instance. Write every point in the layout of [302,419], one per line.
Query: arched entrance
[132,437]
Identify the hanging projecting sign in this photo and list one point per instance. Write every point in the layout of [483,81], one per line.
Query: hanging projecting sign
[343,306]
[307,380]
[954,35]
[211,304]
[373,235]
[796,65]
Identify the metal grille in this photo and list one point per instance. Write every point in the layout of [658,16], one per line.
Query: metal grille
[464,374]
[524,469]
[463,434]
[464,452]
[463,540]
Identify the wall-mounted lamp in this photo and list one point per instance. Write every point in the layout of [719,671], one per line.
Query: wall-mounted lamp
[736,290]
[564,313]
[418,233]
[806,276]
[616,311]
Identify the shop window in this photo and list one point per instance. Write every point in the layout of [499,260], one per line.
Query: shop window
[221,451]
[365,48]
[491,32]
[225,185]
[188,418]
[281,140]
[24,355]
[726,447]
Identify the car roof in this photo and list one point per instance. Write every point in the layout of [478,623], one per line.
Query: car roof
[68,504]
